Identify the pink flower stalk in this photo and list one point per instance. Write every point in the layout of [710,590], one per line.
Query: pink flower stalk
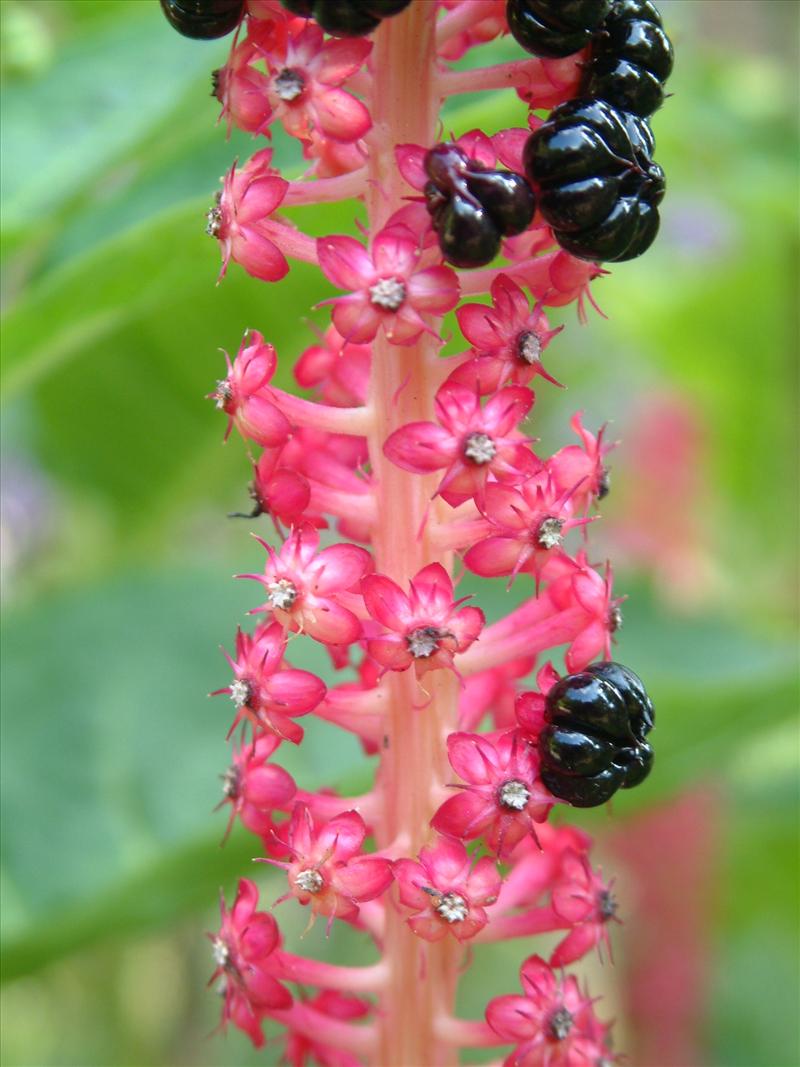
[424,462]
[424,627]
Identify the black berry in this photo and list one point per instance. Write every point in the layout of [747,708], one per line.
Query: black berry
[473,207]
[555,28]
[631,59]
[347,18]
[594,740]
[595,182]
[203,19]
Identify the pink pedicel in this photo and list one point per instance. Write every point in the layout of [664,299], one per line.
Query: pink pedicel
[393,472]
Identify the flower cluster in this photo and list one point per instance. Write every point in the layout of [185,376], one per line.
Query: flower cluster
[402,460]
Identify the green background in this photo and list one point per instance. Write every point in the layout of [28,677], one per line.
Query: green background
[118,555]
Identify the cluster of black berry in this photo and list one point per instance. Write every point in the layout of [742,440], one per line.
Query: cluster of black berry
[590,165]
[346,18]
[594,741]
[472,207]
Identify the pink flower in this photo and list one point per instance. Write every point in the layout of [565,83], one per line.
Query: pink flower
[301,585]
[503,796]
[242,90]
[243,395]
[488,22]
[388,289]
[424,627]
[339,370]
[446,892]
[327,869]
[581,897]
[332,158]
[471,442]
[552,1024]
[254,788]
[533,521]
[302,1048]
[240,218]
[306,75]
[583,587]
[262,693]
[582,466]
[492,693]
[508,339]
[246,940]
[279,491]
[411,157]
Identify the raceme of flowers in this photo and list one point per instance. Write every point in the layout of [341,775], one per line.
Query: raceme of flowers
[405,469]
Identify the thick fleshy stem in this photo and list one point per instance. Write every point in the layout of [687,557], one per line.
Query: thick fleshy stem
[422,977]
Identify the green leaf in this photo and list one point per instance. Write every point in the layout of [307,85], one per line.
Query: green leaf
[110,758]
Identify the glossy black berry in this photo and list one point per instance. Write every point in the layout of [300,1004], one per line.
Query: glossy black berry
[347,18]
[203,19]
[594,742]
[595,182]
[631,59]
[473,207]
[555,28]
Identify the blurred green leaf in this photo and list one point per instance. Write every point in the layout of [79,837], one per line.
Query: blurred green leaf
[111,753]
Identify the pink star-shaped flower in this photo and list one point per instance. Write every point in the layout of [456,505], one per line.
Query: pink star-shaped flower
[388,289]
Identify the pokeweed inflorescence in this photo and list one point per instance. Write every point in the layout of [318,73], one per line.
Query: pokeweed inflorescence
[421,461]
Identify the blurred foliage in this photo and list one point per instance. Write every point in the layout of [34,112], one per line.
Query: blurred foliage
[117,553]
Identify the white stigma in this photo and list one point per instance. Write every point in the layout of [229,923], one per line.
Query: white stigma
[514,794]
[423,642]
[230,782]
[480,448]
[529,347]
[220,952]
[309,881]
[388,293]
[213,221]
[452,908]
[615,619]
[281,594]
[241,691]
[289,84]
[223,394]
[549,534]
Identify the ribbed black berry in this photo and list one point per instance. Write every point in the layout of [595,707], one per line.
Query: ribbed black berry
[596,184]
[203,19]
[555,28]
[631,59]
[472,207]
[594,739]
[347,18]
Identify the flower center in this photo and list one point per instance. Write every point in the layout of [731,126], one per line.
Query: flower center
[241,692]
[514,794]
[281,594]
[231,780]
[480,448]
[388,293]
[549,534]
[529,347]
[220,952]
[289,84]
[214,218]
[560,1023]
[604,483]
[615,619]
[224,394]
[424,641]
[452,908]
[310,881]
[607,905]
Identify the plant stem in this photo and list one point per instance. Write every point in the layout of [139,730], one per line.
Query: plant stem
[421,977]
